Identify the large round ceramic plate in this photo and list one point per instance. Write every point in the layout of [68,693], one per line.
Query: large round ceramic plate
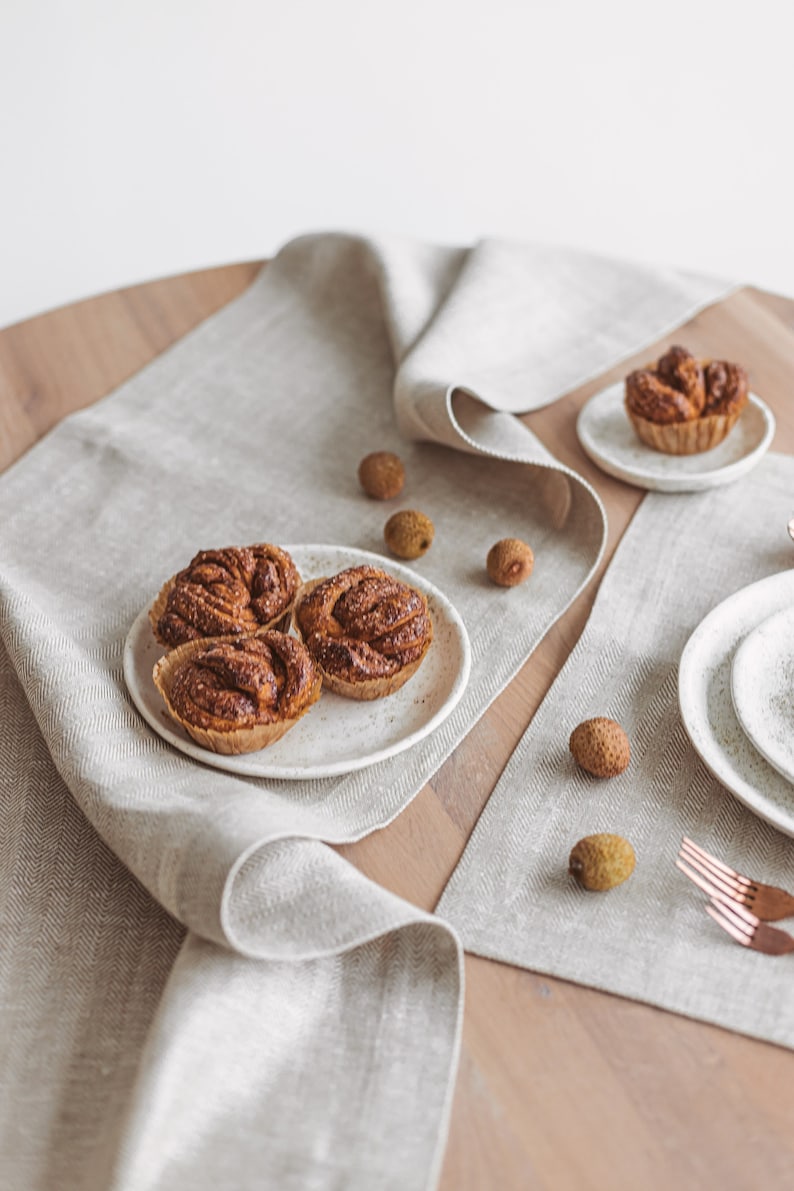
[704,695]
[608,437]
[337,735]
[762,688]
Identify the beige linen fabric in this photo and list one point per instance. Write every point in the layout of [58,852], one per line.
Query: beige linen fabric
[306,1033]
[650,939]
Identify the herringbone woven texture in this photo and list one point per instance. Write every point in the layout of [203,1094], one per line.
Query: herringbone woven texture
[511,897]
[325,1046]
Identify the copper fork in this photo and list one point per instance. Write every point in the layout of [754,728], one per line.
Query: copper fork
[748,930]
[725,884]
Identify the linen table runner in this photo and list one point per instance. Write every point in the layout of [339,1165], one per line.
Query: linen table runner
[321,1053]
[511,898]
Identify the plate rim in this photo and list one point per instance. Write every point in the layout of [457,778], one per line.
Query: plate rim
[239,765]
[758,742]
[691,482]
[760,804]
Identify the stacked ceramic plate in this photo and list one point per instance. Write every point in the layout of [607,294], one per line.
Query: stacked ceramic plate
[736,693]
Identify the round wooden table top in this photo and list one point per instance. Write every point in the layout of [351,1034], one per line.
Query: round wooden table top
[559,1086]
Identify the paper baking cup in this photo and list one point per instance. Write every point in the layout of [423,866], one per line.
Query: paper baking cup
[236,740]
[684,438]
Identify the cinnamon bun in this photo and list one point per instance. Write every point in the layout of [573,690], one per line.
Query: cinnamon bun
[367,631]
[238,695]
[684,406]
[231,592]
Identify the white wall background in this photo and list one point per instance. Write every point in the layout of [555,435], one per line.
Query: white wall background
[140,139]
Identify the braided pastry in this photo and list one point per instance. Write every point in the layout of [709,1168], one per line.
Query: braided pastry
[726,388]
[367,631]
[673,391]
[241,694]
[222,593]
[683,406]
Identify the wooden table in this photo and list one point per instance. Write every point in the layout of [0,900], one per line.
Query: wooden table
[559,1086]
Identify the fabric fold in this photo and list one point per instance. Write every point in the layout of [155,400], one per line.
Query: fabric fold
[251,429]
[368,1111]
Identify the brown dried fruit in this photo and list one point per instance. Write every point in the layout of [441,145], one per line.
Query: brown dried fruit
[601,747]
[409,533]
[601,861]
[510,562]
[381,475]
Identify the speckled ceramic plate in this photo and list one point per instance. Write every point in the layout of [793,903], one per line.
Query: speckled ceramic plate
[762,688]
[704,694]
[608,437]
[337,735]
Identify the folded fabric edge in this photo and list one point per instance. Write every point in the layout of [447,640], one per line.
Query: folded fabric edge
[274,879]
[675,324]
[255,1011]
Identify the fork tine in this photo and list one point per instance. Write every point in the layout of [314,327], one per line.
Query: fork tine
[716,879]
[703,881]
[728,926]
[712,861]
[740,913]
[740,919]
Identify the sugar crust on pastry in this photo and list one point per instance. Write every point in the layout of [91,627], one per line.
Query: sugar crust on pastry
[233,591]
[237,695]
[367,631]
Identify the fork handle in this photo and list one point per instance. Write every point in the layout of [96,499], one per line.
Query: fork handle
[777,904]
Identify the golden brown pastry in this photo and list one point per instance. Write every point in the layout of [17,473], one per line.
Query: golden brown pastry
[672,391]
[683,406]
[223,593]
[727,388]
[367,631]
[238,695]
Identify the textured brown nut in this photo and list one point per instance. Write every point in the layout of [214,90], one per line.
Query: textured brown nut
[509,562]
[602,861]
[600,746]
[381,475]
[409,533]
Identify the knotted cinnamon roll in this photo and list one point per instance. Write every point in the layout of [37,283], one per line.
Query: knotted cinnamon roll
[683,406]
[239,695]
[222,593]
[367,631]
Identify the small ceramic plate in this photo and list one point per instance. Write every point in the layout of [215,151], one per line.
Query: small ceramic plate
[608,437]
[337,735]
[762,688]
[704,695]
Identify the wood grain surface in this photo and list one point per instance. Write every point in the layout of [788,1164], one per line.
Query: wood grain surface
[559,1086]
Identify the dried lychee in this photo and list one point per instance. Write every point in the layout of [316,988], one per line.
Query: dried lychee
[409,533]
[509,562]
[381,475]
[600,746]
[601,861]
